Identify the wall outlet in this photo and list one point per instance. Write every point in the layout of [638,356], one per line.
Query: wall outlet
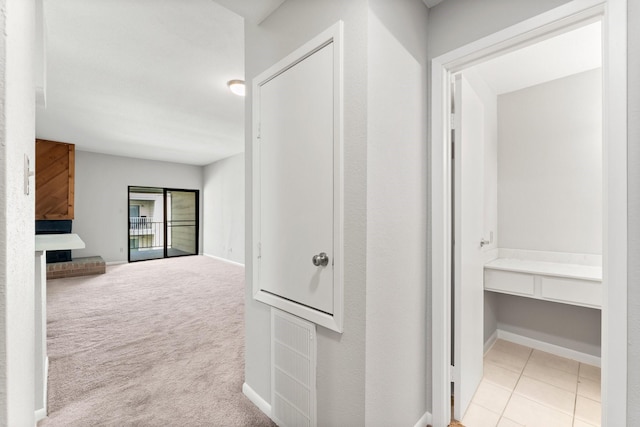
[121,250]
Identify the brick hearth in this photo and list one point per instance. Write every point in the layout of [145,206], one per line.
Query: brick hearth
[76,267]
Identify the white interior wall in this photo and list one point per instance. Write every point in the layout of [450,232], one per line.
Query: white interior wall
[491,311]
[101,198]
[633,307]
[340,368]
[585,322]
[550,197]
[456,27]
[388,297]
[455,23]
[550,166]
[564,325]
[493,15]
[223,209]
[396,214]
[17,134]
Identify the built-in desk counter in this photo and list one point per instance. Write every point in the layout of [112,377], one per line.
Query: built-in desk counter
[57,242]
[565,282]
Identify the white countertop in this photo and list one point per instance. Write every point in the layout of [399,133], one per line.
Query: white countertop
[572,271]
[58,242]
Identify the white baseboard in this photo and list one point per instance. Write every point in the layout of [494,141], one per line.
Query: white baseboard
[549,348]
[224,260]
[491,341]
[256,399]
[424,420]
[116,262]
[41,413]
[265,407]
[46,383]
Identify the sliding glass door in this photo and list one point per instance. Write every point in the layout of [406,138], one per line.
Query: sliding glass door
[163,223]
[146,223]
[182,222]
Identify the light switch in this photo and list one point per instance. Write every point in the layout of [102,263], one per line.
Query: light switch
[27,174]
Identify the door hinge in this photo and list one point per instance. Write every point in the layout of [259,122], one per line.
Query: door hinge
[259,130]
[453,134]
[453,144]
[453,374]
[259,250]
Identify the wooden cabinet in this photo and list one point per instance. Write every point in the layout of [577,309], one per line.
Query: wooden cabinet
[55,174]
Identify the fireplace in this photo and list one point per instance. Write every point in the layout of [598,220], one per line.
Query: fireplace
[60,226]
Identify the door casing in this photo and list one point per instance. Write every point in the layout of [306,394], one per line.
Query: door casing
[614,312]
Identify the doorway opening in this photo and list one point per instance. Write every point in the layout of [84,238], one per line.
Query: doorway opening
[451,262]
[163,223]
[527,230]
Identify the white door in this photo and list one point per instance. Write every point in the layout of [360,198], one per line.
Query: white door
[296,138]
[468,228]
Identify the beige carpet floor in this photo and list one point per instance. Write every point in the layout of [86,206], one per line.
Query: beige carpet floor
[154,343]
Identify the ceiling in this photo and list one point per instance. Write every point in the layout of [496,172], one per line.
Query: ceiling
[146,79]
[560,56]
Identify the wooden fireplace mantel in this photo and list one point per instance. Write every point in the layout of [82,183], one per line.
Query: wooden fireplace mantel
[55,178]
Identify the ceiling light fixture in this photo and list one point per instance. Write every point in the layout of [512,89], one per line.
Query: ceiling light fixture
[236,86]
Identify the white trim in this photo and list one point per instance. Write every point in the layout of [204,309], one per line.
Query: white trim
[256,399]
[334,321]
[46,383]
[532,30]
[490,342]
[440,251]
[110,263]
[614,328]
[424,420]
[41,413]
[228,261]
[614,307]
[549,348]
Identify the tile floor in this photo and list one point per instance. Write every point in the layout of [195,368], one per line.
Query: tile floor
[525,387]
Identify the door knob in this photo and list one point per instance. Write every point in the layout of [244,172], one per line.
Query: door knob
[484,242]
[321,259]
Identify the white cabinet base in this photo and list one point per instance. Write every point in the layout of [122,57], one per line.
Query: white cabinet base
[509,282]
[559,282]
[572,291]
